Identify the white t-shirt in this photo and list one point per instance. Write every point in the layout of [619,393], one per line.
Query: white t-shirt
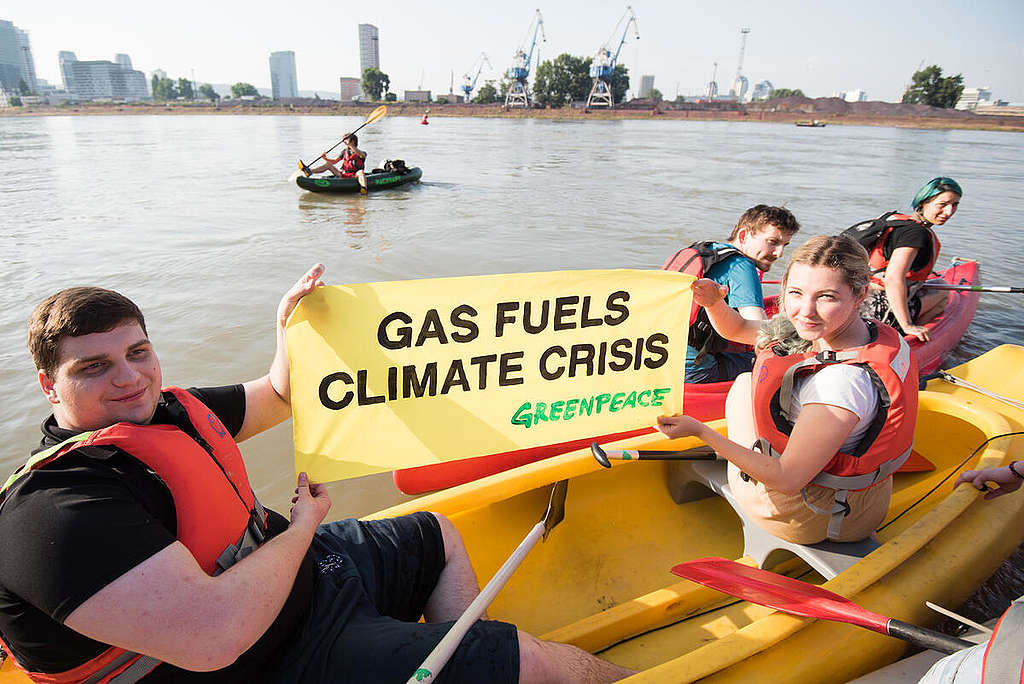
[848,387]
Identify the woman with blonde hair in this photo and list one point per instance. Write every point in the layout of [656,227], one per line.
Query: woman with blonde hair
[826,417]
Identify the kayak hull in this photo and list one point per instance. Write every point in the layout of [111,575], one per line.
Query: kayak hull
[374,182]
[602,579]
[704,401]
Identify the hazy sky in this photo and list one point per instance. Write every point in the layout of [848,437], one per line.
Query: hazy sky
[819,47]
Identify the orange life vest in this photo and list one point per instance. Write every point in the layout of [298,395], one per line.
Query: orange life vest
[876,254]
[218,516]
[887,443]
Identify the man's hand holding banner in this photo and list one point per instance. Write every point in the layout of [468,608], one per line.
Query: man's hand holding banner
[401,374]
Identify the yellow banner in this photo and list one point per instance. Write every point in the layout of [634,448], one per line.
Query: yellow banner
[408,373]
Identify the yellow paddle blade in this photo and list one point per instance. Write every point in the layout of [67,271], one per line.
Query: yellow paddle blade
[377,114]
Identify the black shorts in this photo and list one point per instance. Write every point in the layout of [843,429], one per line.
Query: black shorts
[373,579]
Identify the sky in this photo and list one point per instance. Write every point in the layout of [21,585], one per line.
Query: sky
[820,48]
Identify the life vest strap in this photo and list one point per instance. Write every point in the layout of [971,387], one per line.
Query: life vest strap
[789,378]
[142,666]
[854,482]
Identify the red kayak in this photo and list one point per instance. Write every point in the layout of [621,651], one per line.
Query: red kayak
[703,402]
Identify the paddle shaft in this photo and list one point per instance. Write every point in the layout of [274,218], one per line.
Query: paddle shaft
[374,116]
[446,647]
[973,288]
[925,638]
[641,455]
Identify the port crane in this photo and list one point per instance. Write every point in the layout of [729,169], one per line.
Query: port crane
[603,66]
[469,82]
[519,72]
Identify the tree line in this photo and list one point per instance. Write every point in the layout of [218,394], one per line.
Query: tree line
[166,90]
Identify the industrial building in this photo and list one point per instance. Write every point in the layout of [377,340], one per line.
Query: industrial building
[350,88]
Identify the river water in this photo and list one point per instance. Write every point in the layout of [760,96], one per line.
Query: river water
[198,220]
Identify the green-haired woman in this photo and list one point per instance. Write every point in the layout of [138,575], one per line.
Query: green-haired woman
[902,251]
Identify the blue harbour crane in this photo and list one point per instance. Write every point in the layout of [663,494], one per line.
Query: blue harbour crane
[603,66]
[519,72]
[469,82]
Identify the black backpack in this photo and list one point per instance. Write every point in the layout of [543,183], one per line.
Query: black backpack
[869,232]
[396,166]
[695,260]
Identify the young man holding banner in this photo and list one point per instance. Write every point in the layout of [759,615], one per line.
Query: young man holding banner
[142,552]
[757,241]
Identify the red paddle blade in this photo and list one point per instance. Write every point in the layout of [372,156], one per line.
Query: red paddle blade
[779,592]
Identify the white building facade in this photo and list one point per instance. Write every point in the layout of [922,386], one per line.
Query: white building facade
[100,80]
[369,48]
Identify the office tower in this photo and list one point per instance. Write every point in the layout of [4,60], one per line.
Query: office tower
[282,75]
[16,63]
[369,48]
[351,88]
[646,85]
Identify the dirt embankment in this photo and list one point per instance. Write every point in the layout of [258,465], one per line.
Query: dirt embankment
[829,110]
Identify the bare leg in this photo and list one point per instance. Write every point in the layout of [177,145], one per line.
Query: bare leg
[457,586]
[361,177]
[739,411]
[932,304]
[549,661]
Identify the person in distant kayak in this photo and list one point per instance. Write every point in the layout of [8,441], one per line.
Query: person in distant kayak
[903,249]
[352,160]
[424,119]
[826,417]
[757,241]
[144,555]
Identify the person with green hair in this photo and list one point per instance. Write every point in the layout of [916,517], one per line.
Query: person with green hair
[902,250]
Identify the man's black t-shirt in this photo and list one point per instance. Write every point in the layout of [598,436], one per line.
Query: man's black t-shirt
[913,235]
[74,526]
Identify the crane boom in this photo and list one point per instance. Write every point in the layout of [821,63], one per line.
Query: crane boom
[519,72]
[469,82]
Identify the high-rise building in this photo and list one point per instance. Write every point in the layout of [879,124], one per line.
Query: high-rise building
[646,85]
[123,60]
[101,80]
[282,75]
[16,63]
[762,90]
[369,48]
[351,88]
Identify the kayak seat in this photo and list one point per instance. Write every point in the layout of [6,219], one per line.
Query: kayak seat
[693,480]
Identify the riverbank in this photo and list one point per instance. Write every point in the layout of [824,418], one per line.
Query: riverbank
[826,110]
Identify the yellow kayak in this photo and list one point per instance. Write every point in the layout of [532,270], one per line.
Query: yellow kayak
[602,581]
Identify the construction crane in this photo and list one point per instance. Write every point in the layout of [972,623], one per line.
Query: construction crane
[469,82]
[603,66]
[740,83]
[519,72]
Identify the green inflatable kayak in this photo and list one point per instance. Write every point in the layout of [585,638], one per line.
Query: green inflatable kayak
[374,181]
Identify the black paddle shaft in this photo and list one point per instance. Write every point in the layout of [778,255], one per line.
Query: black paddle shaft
[926,638]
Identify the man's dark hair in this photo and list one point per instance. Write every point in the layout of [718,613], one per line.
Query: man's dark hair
[74,312]
[353,137]
[756,219]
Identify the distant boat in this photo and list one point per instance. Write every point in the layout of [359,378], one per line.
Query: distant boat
[814,123]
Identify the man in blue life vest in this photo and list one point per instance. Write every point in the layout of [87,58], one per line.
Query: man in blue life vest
[136,549]
[757,241]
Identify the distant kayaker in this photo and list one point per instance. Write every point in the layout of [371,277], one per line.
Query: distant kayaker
[831,413]
[902,252]
[424,119]
[141,546]
[757,241]
[353,161]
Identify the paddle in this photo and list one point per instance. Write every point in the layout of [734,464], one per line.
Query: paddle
[947,286]
[973,288]
[807,600]
[376,115]
[446,647]
[602,456]
[953,380]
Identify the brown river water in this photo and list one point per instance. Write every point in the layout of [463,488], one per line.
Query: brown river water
[198,219]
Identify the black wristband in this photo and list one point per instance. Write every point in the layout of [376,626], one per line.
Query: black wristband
[1014,470]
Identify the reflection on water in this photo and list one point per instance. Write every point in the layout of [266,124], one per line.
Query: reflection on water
[145,205]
